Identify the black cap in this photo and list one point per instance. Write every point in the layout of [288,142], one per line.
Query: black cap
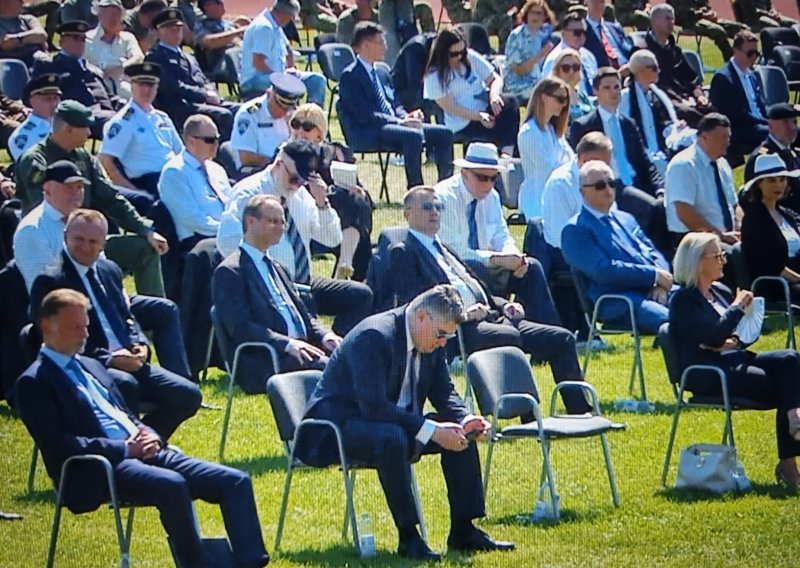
[45,84]
[305,155]
[782,110]
[288,89]
[63,171]
[144,72]
[152,6]
[168,16]
[74,114]
[75,27]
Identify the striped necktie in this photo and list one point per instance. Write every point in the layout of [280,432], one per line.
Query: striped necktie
[302,268]
[386,108]
[611,53]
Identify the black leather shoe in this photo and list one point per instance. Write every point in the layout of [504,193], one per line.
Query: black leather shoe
[477,541]
[416,549]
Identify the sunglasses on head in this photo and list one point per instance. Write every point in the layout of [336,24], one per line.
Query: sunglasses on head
[208,139]
[431,205]
[567,67]
[305,125]
[602,184]
[484,178]
[454,54]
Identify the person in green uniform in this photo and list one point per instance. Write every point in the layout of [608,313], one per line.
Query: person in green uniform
[698,16]
[760,14]
[497,16]
[138,252]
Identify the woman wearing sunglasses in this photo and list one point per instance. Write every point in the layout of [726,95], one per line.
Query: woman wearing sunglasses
[526,49]
[770,231]
[353,204]
[469,91]
[567,67]
[541,141]
[703,319]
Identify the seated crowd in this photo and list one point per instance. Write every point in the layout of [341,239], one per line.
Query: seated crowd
[213,203]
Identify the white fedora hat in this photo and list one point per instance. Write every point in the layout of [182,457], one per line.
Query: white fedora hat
[480,155]
[769,165]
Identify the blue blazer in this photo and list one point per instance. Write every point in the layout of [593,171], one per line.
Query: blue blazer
[63,424]
[64,275]
[81,83]
[608,261]
[183,82]
[594,45]
[646,175]
[727,94]
[363,380]
[359,107]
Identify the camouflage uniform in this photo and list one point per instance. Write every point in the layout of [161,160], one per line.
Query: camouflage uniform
[493,14]
[392,12]
[759,14]
[697,15]
[312,17]
[456,11]
[631,13]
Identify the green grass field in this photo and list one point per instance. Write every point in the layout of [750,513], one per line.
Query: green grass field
[653,526]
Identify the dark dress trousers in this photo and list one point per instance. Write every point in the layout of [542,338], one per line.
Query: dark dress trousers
[728,96]
[414,269]
[359,391]
[62,423]
[772,377]
[176,398]
[248,312]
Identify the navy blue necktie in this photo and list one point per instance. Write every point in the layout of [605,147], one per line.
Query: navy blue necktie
[113,317]
[302,267]
[383,101]
[472,224]
[723,201]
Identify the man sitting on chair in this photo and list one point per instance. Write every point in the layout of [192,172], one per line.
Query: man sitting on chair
[71,407]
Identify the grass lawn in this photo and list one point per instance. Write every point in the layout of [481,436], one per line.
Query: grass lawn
[653,526]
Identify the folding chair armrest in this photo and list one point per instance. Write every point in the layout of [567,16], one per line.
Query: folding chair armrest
[583,385]
[787,297]
[537,413]
[723,379]
[616,297]
[255,345]
[320,422]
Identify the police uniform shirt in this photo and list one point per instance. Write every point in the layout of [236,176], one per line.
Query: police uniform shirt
[255,130]
[141,141]
[31,131]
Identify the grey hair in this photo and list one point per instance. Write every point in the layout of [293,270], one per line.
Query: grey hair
[443,303]
[659,8]
[640,59]
[594,142]
[411,196]
[686,264]
[193,124]
[591,167]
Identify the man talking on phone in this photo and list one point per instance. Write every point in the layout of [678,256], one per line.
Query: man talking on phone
[375,387]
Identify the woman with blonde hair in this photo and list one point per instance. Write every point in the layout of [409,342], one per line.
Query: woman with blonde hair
[541,141]
[567,67]
[526,49]
[353,204]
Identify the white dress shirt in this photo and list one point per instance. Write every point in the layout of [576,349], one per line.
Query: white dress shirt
[542,151]
[38,241]
[256,130]
[32,130]
[493,234]
[690,180]
[745,77]
[195,206]
[123,49]
[322,225]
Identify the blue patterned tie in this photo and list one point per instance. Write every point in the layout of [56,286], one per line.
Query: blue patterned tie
[723,201]
[386,108]
[472,224]
[284,297]
[112,316]
[620,157]
[302,268]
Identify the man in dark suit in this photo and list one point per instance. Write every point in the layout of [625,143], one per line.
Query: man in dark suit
[612,251]
[256,300]
[422,261]
[781,140]
[184,89]
[115,338]
[80,80]
[72,407]
[374,389]
[371,118]
[606,40]
[737,92]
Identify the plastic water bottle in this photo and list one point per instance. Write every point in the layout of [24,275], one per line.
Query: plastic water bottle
[545,509]
[635,406]
[366,538]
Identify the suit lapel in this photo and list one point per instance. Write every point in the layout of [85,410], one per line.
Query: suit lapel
[737,82]
[417,250]
[67,390]
[604,232]
[252,275]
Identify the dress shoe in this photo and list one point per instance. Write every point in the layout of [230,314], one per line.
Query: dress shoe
[794,423]
[476,540]
[416,549]
[789,479]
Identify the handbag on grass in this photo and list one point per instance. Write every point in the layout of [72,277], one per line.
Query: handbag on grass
[711,467]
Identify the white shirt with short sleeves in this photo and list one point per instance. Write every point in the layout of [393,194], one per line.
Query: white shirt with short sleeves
[256,130]
[265,37]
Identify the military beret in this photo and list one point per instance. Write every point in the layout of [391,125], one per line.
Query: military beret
[782,110]
[45,84]
[166,17]
[63,171]
[288,89]
[75,27]
[75,114]
[144,72]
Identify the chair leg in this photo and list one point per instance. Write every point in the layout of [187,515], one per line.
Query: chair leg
[348,505]
[226,419]
[32,468]
[488,466]
[727,436]
[122,537]
[637,366]
[384,164]
[51,553]
[209,348]
[671,442]
[284,501]
[790,342]
[418,503]
[129,527]
[551,479]
[610,470]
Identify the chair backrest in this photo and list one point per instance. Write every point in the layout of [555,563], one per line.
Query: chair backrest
[288,394]
[382,288]
[582,288]
[776,85]
[773,37]
[787,57]
[670,353]
[334,58]
[498,371]
[694,61]
[225,158]
[322,39]
[477,37]
[222,338]
[13,78]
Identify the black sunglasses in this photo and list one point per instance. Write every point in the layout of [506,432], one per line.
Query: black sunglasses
[305,125]
[208,139]
[578,33]
[454,54]
[752,53]
[484,178]
[562,99]
[431,205]
[602,184]
[567,67]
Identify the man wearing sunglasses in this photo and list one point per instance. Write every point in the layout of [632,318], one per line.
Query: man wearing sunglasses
[573,36]
[610,249]
[375,388]
[261,124]
[737,92]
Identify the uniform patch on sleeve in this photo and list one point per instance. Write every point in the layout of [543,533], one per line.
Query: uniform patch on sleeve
[242,125]
[114,130]
[128,114]
[21,140]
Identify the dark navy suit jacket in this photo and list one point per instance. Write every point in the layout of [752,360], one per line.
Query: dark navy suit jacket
[594,45]
[81,83]
[363,381]
[727,94]
[63,424]
[182,80]
[64,275]
[646,176]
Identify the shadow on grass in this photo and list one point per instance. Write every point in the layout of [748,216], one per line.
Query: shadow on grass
[344,554]
[257,466]
[38,496]
[680,495]
[521,519]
